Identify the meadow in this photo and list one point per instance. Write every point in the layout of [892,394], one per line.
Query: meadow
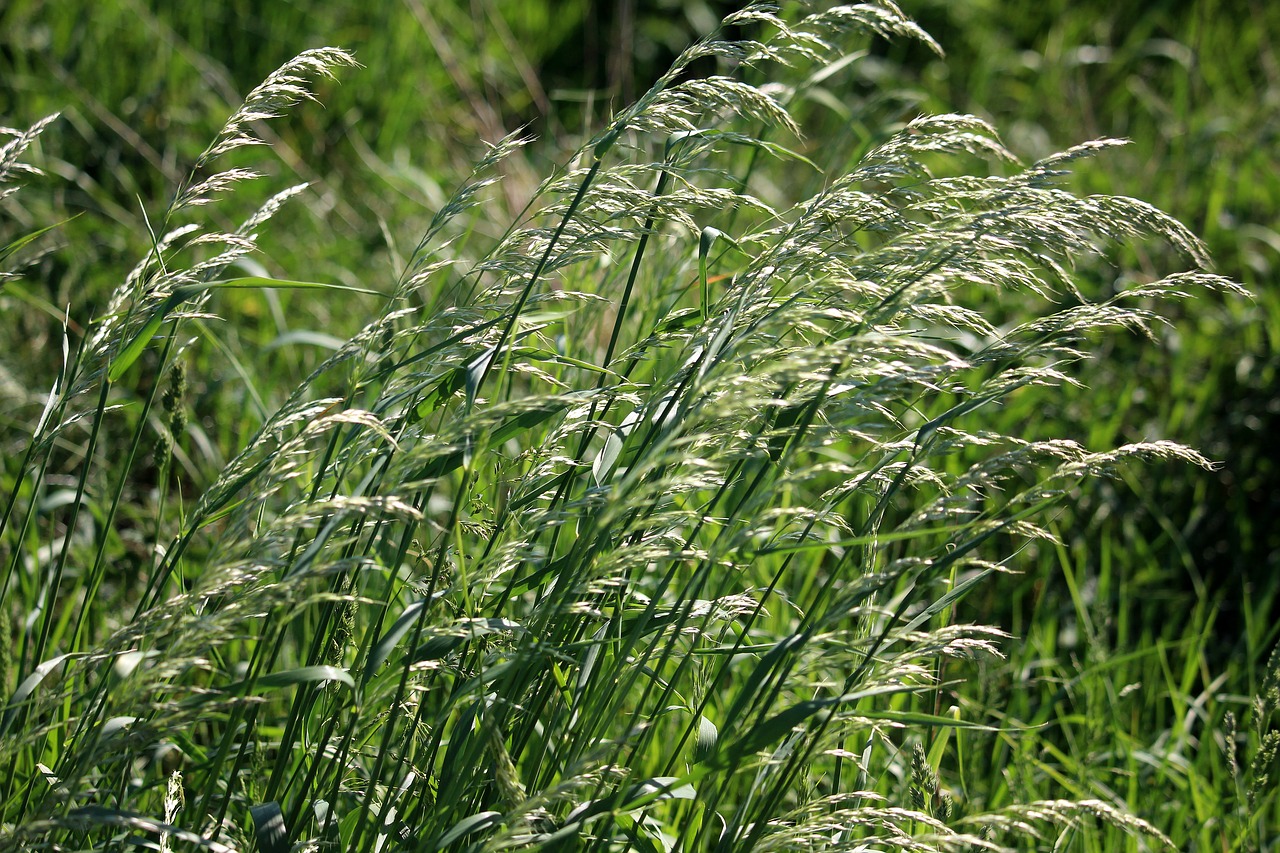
[836,428]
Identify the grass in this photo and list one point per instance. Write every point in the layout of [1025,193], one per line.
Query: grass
[687,504]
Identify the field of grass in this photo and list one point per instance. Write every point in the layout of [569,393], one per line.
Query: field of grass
[816,445]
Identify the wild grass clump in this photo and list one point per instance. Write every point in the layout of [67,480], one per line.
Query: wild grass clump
[645,523]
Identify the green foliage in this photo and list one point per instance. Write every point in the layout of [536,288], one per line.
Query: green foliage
[664,504]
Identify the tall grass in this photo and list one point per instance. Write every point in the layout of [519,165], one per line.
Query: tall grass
[643,521]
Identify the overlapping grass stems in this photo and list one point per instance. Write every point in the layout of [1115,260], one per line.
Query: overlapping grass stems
[644,527]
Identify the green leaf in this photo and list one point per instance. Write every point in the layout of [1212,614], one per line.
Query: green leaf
[117,724]
[142,339]
[440,645]
[960,591]
[468,376]
[705,241]
[638,796]
[679,320]
[755,682]
[475,372]
[382,649]
[272,283]
[763,735]
[538,354]
[7,251]
[269,829]
[772,148]
[288,678]
[305,675]
[89,818]
[468,825]
[26,688]
[307,338]
[918,718]
[606,460]
[452,382]
[708,736]
[522,422]
[658,788]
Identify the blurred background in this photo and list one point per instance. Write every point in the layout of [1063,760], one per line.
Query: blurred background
[143,88]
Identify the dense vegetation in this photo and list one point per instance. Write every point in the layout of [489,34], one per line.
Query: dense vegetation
[729,458]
